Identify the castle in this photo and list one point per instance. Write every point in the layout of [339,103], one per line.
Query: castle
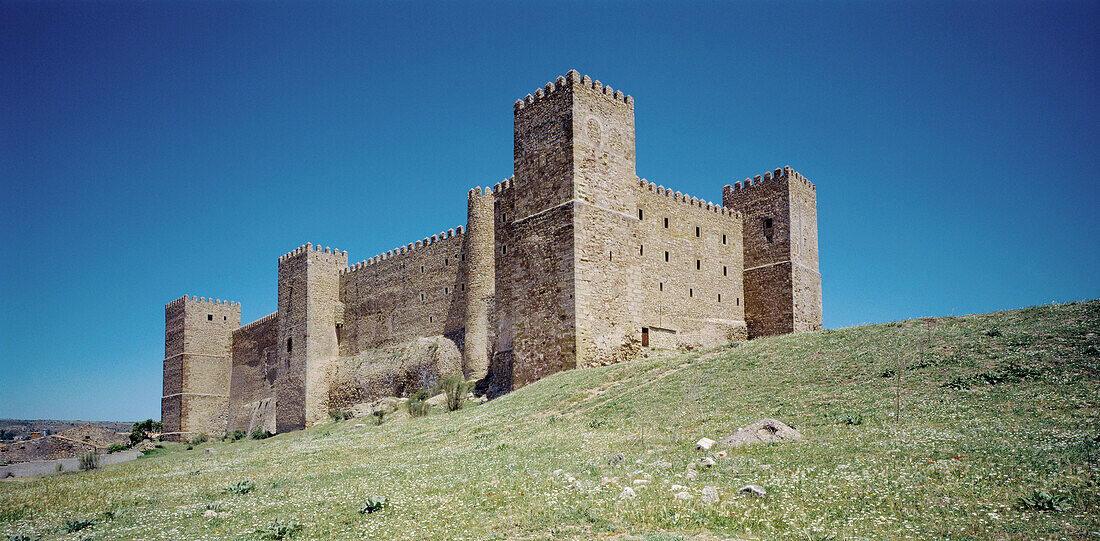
[573,261]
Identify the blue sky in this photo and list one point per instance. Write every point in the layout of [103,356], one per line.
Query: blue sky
[153,149]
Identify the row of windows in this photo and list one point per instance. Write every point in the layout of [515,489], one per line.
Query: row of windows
[691,293]
[698,230]
[446,291]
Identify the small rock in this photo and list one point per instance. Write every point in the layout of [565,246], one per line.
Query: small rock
[707,462]
[360,425]
[691,475]
[683,495]
[609,480]
[677,488]
[752,490]
[210,513]
[641,482]
[710,495]
[615,459]
[627,494]
[558,471]
[662,464]
[704,444]
[765,431]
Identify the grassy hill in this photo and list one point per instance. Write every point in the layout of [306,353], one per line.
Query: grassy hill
[925,428]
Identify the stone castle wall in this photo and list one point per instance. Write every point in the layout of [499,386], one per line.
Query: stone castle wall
[573,261]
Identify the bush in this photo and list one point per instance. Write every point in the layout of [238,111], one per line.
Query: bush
[75,525]
[280,530]
[241,487]
[197,439]
[116,447]
[456,388]
[417,406]
[144,429]
[340,415]
[237,435]
[89,461]
[261,434]
[1044,501]
[373,504]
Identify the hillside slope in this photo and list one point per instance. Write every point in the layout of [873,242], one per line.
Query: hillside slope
[918,429]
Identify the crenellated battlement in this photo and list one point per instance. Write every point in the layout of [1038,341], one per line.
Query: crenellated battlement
[497,189]
[661,191]
[573,79]
[315,250]
[258,322]
[406,249]
[201,300]
[783,173]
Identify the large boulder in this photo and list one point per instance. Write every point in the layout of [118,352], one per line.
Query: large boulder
[765,431]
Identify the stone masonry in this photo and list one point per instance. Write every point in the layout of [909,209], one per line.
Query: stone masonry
[571,262]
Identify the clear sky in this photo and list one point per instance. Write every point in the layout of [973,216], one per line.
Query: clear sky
[153,149]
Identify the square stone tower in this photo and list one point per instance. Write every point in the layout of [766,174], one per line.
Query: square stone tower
[782,278]
[309,311]
[197,365]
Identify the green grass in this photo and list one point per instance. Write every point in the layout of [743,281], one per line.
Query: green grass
[893,449]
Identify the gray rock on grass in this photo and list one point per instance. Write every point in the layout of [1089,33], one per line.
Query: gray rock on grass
[753,490]
[764,431]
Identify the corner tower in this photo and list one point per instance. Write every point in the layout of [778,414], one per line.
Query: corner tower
[197,365]
[782,278]
[309,310]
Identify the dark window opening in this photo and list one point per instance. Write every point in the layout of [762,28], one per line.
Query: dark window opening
[696,231]
[662,287]
[445,263]
[768,229]
[719,297]
[666,257]
[738,301]
[463,287]
[430,319]
[462,257]
[666,223]
[691,292]
[609,255]
[446,291]
[698,264]
[645,336]
[641,249]
[422,269]
[503,250]
[723,239]
[421,296]
[504,218]
[639,214]
[224,318]
[723,271]
[339,327]
[289,344]
[210,317]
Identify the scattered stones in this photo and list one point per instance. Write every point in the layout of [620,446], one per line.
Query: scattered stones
[685,495]
[704,444]
[707,462]
[615,459]
[765,431]
[753,490]
[627,494]
[691,475]
[710,495]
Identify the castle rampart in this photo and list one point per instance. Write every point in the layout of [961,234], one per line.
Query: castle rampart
[572,261]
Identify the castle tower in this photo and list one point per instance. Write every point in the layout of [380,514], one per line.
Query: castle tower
[481,287]
[574,165]
[197,365]
[309,308]
[782,279]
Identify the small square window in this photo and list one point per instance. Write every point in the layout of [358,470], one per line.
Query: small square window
[210,317]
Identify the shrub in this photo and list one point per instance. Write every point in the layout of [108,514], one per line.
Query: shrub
[280,530]
[378,417]
[1044,501]
[197,439]
[116,447]
[373,504]
[340,415]
[241,487]
[144,429]
[417,406]
[237,435]
[456,388]
[261,434]
[89,461]
[75,525]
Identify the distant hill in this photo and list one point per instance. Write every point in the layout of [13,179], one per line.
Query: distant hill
[13,429]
